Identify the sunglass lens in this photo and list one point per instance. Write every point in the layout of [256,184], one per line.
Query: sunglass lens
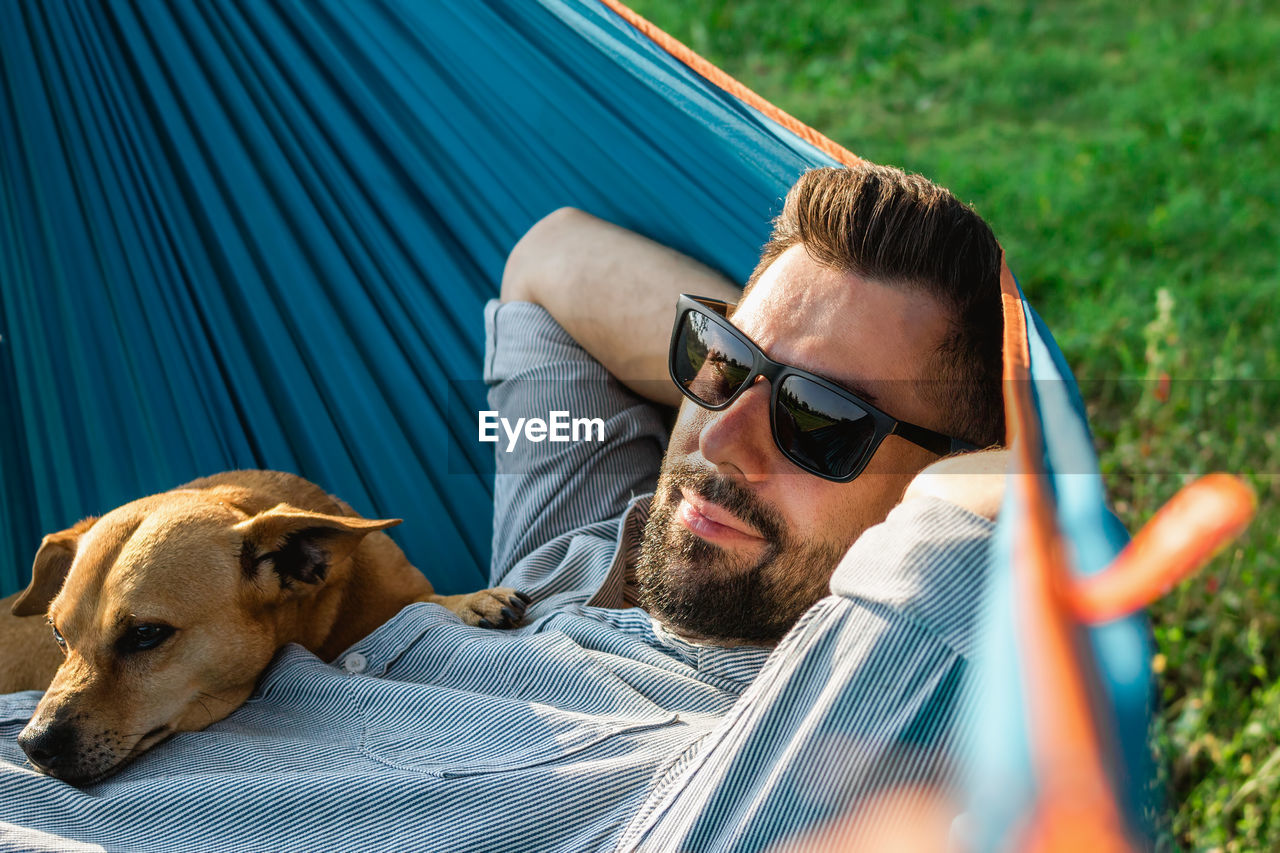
[709,362]
[820,429]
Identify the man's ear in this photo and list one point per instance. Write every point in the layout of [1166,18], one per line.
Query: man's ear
[299,545]
[49,570]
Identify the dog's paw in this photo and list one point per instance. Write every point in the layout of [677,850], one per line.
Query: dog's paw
[499,607]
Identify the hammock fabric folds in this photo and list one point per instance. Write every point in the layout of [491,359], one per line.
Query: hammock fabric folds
[260,234]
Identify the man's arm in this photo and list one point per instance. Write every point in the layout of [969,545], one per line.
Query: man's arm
[972,481]
[612,290]
[581,299]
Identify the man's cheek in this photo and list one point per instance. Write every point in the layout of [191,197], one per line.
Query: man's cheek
[684,435]
[861,504]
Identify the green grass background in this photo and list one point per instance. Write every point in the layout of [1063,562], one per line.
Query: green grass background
[1128,157]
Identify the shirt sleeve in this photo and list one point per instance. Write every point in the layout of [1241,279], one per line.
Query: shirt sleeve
[544,489]
[870,693]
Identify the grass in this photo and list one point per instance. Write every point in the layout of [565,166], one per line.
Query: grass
[1126,156]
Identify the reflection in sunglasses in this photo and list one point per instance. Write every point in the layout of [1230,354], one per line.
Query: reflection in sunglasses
[822,429]
[714,374]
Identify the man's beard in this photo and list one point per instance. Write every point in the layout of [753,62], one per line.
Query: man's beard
[702,590]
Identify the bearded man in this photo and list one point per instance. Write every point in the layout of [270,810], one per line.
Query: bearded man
[643,702]
[878,291]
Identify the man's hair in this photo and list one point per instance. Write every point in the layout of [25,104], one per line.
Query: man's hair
[902,230]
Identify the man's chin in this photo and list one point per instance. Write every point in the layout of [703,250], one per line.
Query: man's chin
[706,600]
[726,595]
[692,636]
[725,628]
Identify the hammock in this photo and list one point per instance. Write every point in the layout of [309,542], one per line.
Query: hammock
[260,235]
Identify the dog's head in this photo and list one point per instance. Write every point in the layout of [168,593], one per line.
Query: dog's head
[168,609]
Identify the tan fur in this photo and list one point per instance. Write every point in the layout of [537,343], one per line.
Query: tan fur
[28,654]
[212,560]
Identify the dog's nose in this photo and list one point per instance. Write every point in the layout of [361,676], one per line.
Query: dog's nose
[49,748]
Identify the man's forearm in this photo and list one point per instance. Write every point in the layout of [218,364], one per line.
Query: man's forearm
[612,290]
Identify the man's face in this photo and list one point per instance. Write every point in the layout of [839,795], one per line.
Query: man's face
[741,541]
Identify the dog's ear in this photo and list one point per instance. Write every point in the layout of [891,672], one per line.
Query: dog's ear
[49,569]
[299,545]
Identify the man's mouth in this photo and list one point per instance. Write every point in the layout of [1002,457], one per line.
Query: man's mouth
[713,522]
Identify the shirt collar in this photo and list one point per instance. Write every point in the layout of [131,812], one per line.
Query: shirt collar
[619,588]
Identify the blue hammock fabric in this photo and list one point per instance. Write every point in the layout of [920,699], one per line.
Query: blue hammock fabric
[1118,653]
[260,235]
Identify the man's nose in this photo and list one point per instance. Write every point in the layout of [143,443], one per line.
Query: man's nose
[50,747]
[739,440]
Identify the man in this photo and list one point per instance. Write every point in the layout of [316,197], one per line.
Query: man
[888,285]
[875,280]
[430,734]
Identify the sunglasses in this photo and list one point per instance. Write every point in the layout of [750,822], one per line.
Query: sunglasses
[823,428]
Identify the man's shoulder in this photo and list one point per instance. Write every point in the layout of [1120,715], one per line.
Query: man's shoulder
[552,487]
[523,335]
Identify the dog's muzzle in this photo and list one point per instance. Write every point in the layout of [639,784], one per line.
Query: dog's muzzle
[52,748]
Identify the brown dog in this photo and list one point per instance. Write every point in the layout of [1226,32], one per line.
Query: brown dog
[169,608]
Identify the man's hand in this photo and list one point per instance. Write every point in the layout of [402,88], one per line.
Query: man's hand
[612,290]
[973,481]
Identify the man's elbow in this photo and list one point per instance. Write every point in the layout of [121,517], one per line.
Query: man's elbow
[540,253]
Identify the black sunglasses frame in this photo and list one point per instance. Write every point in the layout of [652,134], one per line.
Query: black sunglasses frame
[761,365]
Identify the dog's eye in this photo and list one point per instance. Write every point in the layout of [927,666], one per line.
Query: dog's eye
[139,638]
[58,638]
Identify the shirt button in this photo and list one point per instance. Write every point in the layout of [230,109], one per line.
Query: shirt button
[355,663]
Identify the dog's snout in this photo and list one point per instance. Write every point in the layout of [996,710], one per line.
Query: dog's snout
[50,748]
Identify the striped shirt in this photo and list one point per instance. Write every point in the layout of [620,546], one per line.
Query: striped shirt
[867,695]
[590,727]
